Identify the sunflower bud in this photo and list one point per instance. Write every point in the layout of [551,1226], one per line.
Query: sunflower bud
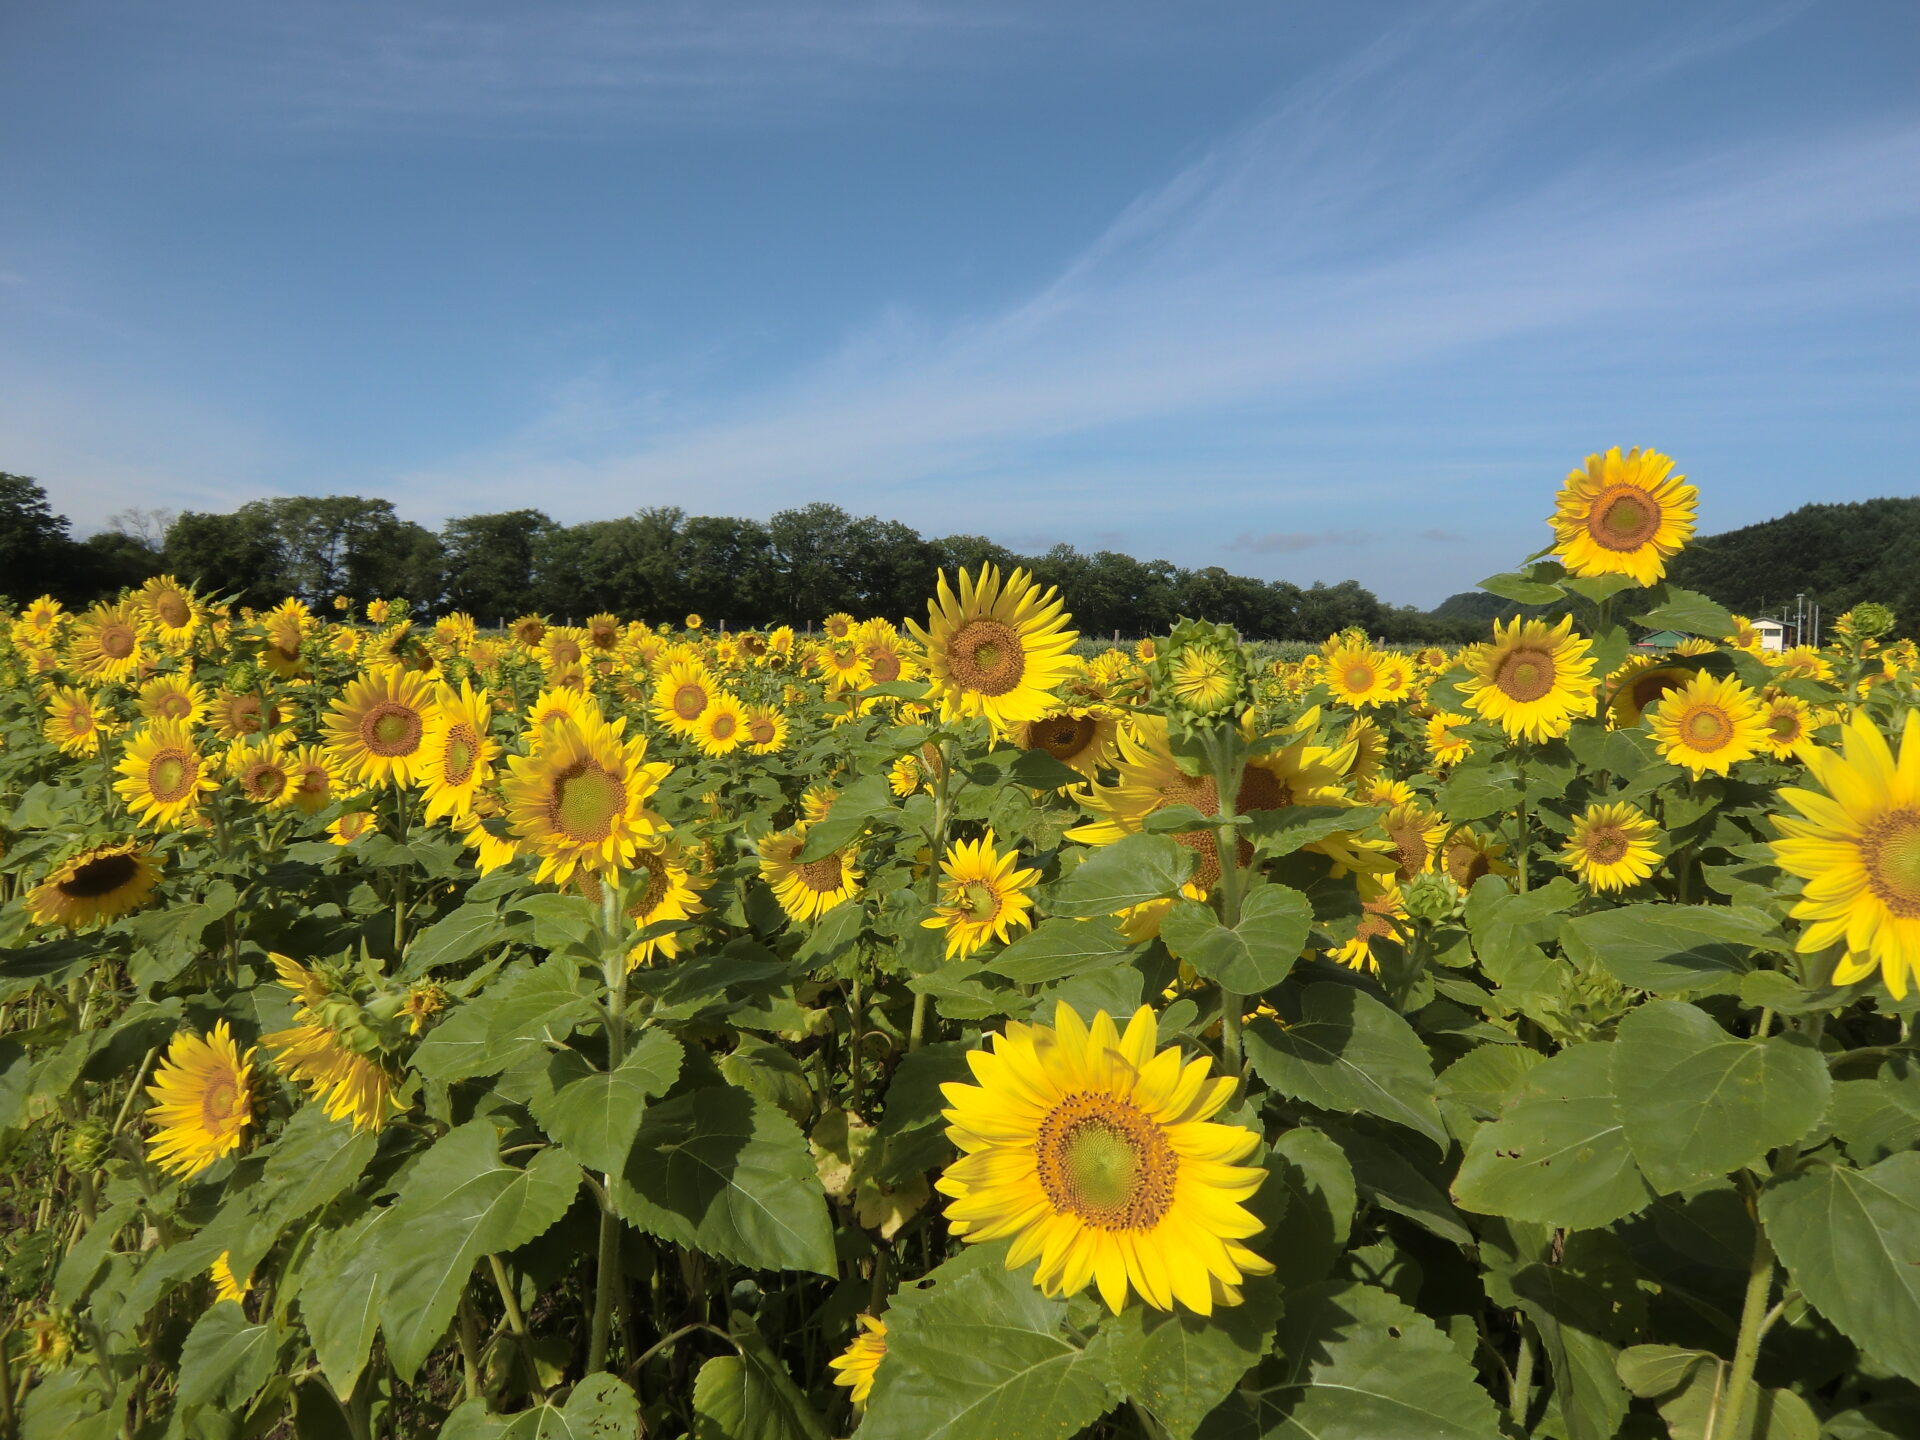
[1430,898]
[1201,671]
[86,1146]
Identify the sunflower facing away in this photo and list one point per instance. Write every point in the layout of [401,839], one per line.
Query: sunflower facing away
[349,1084]
[1623,515]
[1098,1157]
[807,889]
[982,897]
[1857,847]
[202,1101]
[1709,724]
[1611,847]
[163,775]
[1532,679]
[94,887]
[579,800]
[856,1367]
[376,729]
[995,650]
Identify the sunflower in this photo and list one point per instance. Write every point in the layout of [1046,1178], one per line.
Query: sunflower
[237,714]
[1802,662]
[668,895]
[682,696]
[887,655]
[838,626]
[73,723]
[1533,679]
[1205,679]
[1098,1158]
[1611,847]
[1789,723]
[457,631]
[860,1362]
[1384,790]
[843,666]
[1354,673]
[377,728]
[603,631]
[313,781]
[163,775]
[806,889]
[1445,742]
[109,642]
[558,702]
[41,622]
[1623,515]
[1857,847]
[173,697]
[491,850]
[351,826]
[1637,686]
[722,726]
[1079,736]
[284,631]
[349,1084]
[1382,911]
[94,887]
[563,648]
[171,608]
[226,1285]
[1145,650]
[578,800]
[995,650]
[1708,724]
[202,1101]
[904,777]
[263,770]
[528,630]
[1416,833]
[1369,748]
[457,756]
[1468,855]
[694,622]
[982,897]
[766,728]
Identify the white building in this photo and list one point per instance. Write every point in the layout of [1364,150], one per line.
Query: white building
[1773,635]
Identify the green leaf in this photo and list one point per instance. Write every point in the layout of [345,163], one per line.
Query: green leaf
[454,938]
[1254,955]
[1353,1363]
[1696,1103]
[600,1407]
[1556,1155]
[460,1202]
[1689,1388]
[506,1024]
[314,1160]
[1309,1175]
[722,1171]
[976,1352]
[225,1360]
[1131,871]
[1851,1241]
[750,1396]
[853,810]
[1179,1365]
[1063,947]
[1510,585]
[341,1282]
[1475,791]
[1038,770]
[1349,1053]
[911,1136]
[1293,827]
[594,1114]
[1687,611]
[1393,1182]
[1575,1318]
[1674,949]
[1476,1086]
[559,920]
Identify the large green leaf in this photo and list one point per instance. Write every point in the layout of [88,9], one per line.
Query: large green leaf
[1294,827]
[722,1171]
[1131,871]
[511,1021]
[1063,947]
[1247,958]
[226,1359]
[750,1396]
[341,1283]
[1689,1387]
[1579,1328]
[1353,1363]
[600,1407]
[911,1136]
[1674,949]
[1851,1241]
[1180,1365]
[1348,1052]
[455,937]
[976,1352]
[853,810]
[594,1114]
[1696,1103]
[1556,1155]
[459,1203]
[1479,789]
[1308,1201]
[1687,611]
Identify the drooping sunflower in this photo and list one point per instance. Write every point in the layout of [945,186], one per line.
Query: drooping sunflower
[682,695]
[163,775]
[1445,742]
[1079,736]
[1468,855]
[73,721]
[1709,724]
[1640,684]
[1369,748]
[283,635]
[375,730]
[856,1366]
[1100,1159]
[457,756]
[668,895]
[982,897]
[1623,515]
[766,727]
[94,887]
[1382,911]
[995,649]
[579,799]
[1856,844]
[1355,673]
[1416,833]
[171,608]
[349,1084]
[1789,722]
[722,727]
[806,889]
[202,1094]
[173,697]
[109,642]
[484,835]
[528,631]
[263,770]
[1611,846]
[1532,679]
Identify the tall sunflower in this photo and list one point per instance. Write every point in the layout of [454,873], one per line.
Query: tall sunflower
[73,721]
[995,649]
[1640,684]
[1856,844]
[722,727]
[1101,1160]
[766,728]
[1710,723]
[982,897]
[163,775]
[1623,515]
[263,770]
[1355,673]
[375,730]
[173,697]
[202,1095]
[807,889]
[1533,679]
[579,799]
[457,756]
[109,642]
[1611,846]
[94,887]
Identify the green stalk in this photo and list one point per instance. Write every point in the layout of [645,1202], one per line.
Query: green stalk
[1746,1349]
[1523,841]
[936,852]
[1227,768]
[1520,1396]
[614,966]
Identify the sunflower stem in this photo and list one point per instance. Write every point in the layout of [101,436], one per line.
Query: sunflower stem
[936,849]
[1520,1396]
[1746,1349]
[1228,763]
[1521,840]
[614,967]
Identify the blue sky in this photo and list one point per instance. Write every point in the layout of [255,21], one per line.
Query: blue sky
[1309,291]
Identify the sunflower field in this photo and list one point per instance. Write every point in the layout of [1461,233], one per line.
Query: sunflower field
[933,1033]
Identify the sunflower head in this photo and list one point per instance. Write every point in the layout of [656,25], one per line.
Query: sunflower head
[94,887]
[983,896]
[202,1100]
[995,648]
[1611,846]
[579,799]
[856,1366]
[1201,671]
[1533,679]
[1623,515]
[1709,724]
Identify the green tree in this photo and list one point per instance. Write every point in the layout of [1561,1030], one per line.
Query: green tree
[236,555]
[37,555]
[490,562]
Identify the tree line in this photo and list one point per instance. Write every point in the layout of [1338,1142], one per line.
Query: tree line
[659,563]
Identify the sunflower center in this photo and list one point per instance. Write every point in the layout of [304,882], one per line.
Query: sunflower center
[822,876]
[173,706]
[1784,724]
[760,730]
[565,651]
[1891,849]
[689,701]
[978,900]
[79,722]
[391,729]
[266,781]
[1526,674]
[1606,845]
[172,610]
[1106,1162]
[463,751]
[723,726]
[987,657]
[655,892]
[886,667]
[1064,737]
[586,797]
[1625,518]
[1708,728]
[243,715]
[1649,688]
[1410,844]
[1359,677]
[99,877]
[1467,862]
[170,775]
[116,642]
[220,1101]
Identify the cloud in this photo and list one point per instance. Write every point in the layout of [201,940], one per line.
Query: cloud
[1439,536]
[1288,542]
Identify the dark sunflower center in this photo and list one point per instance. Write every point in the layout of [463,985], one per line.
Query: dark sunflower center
[565,651]
[313,780]
[172,610]
[220,1100]
[530,632]
[170,776]
[117,641]
[1526,674]
[463,751]
[1891,849]
[1624,518]
[1708,728]
[1410,844]
[99,877]
[760,730]
[1106,1162]
[1466,862]
[265,781]
[822,876]
[1784,724]
[391,729]
[1064,736]
[1606,844]
[886,667]
[1650,687]
[586,798]
[655,892]
[723,726]
[986,657]
[689,701]
[243,715]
